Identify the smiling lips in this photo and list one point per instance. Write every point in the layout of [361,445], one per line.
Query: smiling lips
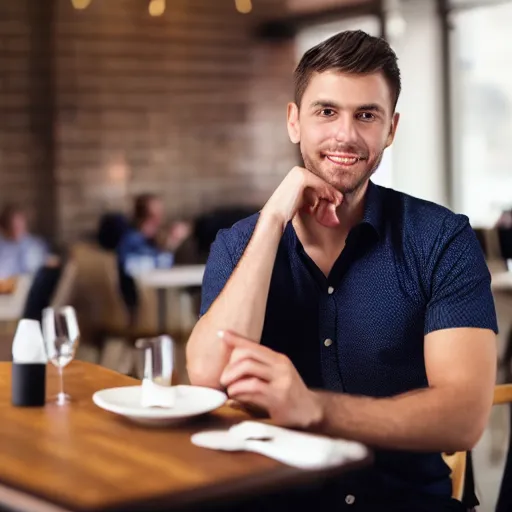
[345,159]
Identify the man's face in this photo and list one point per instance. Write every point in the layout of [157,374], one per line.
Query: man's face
[344,123]
[155,216]
[18,226]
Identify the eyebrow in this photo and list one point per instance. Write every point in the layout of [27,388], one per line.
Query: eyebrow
[372,107]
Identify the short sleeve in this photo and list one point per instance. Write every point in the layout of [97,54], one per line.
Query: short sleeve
[460,282]
[219,268]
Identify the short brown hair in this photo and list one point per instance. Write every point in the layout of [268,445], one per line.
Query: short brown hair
[7,214]
[141,207]
[352,51]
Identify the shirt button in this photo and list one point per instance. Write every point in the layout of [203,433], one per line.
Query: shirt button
[349,499]
[328,342]
[330,290]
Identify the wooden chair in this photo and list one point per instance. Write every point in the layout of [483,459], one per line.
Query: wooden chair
[457,461]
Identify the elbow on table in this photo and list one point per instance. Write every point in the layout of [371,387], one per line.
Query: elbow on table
[200,375]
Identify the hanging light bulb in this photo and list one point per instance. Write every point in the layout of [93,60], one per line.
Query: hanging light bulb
[156,7]
[80,4]
[243,6]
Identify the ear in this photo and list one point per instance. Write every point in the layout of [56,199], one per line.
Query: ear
[293,123]
[392,129]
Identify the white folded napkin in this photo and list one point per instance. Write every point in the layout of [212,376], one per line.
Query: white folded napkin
[299,449]
[154,395]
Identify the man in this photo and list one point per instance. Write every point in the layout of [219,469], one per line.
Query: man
[20,252]
[350,309]
[141,248]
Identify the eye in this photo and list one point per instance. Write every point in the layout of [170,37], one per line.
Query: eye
[366,116]
[327,112]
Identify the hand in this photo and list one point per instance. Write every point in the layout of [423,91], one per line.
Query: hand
[258,376]
[178,232]
[302,190]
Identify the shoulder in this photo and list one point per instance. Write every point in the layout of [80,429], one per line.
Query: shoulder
[237,237]
[421,221]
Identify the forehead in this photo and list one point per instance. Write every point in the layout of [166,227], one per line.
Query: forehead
[348,89]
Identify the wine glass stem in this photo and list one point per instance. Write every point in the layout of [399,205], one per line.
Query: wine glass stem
[61,381]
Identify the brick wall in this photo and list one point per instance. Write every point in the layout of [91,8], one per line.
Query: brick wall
[108,102]
[26,109]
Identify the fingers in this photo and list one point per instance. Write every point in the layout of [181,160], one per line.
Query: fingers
[249,390]
[245,368]
[322,189]
[326,214]
[242,348]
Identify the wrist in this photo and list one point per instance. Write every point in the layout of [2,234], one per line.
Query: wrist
[318,410]
[271,219]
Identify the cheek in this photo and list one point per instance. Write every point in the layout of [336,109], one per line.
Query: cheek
[376,141]
[314,136]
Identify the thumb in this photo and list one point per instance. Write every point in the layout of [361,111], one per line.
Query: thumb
[234,340]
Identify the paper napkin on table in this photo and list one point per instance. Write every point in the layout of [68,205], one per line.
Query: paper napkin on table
[155,395]
[299,449]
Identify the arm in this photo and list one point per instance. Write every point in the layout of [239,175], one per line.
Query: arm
[241,304]
[449,415]
[460,363]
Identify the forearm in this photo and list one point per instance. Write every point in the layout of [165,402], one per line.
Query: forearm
[240,307]
[423,420]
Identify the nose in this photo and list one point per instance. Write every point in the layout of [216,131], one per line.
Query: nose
[346,129]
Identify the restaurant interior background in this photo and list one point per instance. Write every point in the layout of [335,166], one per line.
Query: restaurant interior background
[101,100]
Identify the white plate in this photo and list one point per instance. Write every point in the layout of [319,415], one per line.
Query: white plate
[190,401]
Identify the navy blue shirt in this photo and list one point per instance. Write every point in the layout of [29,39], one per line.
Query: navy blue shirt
[410,267]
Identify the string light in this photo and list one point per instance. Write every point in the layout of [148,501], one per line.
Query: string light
[243,6]
[156,7]
[80,4]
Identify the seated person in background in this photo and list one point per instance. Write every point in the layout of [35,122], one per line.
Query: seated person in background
[147,245]
[111,229]
[20,252]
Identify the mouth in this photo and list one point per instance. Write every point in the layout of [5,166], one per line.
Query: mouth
[344,159]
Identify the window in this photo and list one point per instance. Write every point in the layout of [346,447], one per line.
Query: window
[481,48]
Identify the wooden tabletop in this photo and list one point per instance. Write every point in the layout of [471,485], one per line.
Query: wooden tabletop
[81,458]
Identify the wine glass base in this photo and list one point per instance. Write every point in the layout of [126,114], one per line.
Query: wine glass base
[62,399]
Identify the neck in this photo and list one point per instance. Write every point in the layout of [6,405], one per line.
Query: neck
[349,213]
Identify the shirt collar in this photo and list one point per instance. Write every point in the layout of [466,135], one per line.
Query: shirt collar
[373,208]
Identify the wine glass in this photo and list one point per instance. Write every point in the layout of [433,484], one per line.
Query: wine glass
[60,334]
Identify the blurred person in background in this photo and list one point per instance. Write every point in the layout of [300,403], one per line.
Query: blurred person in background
[147,244]
[349,309]
[112,227]
[20,252]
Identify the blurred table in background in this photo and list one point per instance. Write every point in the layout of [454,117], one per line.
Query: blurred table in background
[166,282]
[12,304]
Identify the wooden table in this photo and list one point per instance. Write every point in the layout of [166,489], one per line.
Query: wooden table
[163,280]
[81,458]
